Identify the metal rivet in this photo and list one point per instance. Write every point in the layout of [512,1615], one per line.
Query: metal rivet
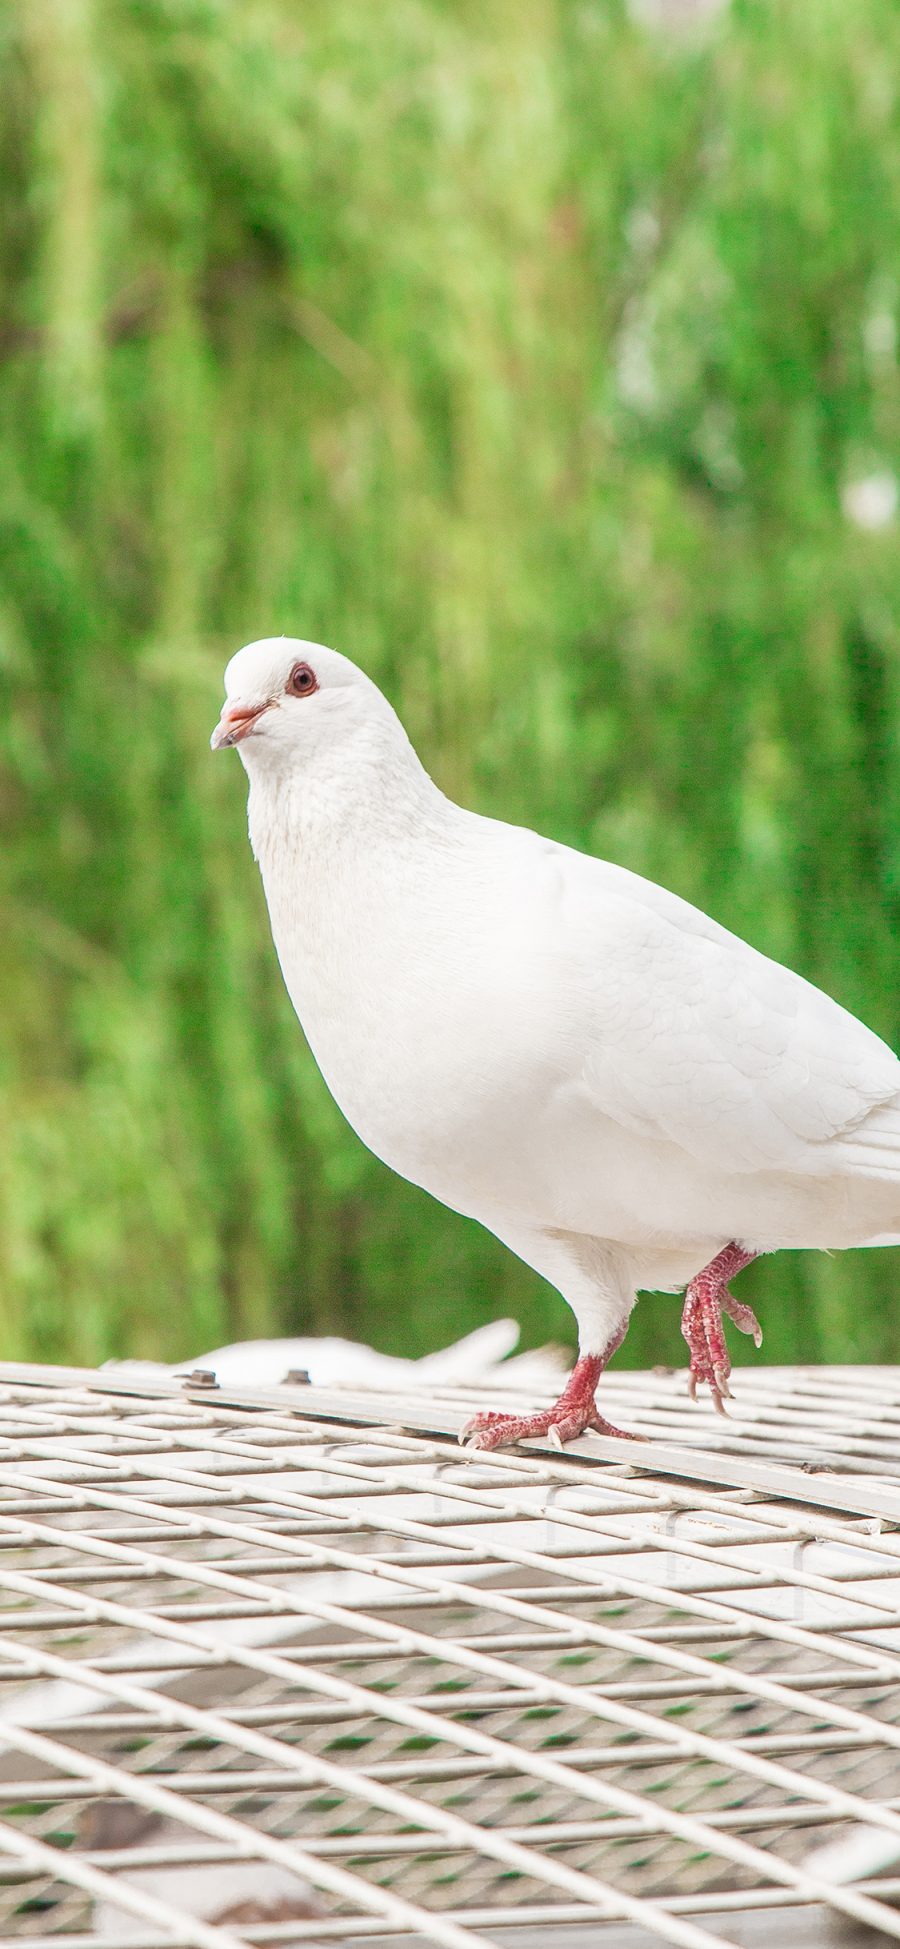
[296,1377]
[199,1377]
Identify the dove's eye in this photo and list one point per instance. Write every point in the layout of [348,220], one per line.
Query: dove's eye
[302,680]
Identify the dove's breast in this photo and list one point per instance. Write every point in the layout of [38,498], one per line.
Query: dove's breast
[427,1017]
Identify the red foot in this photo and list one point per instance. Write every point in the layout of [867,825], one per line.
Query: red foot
[570,1416]
[706,1298]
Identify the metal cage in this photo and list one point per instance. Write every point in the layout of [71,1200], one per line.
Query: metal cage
[289,1667]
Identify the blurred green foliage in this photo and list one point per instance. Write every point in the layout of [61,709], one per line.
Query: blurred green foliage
[544,359]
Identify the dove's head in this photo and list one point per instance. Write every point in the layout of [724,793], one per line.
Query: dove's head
[287,702]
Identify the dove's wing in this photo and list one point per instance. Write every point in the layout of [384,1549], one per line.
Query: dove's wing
[689,1034]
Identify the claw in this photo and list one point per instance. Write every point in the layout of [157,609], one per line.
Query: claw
[574,1414]
[471,1435]
[744,1318]
[706,1299]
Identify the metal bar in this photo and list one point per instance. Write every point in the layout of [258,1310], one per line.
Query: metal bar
[608,1901]
[247,1843]
[68,1867]
[604,1793]
[373,1410]
[230,1523]
[684,1661]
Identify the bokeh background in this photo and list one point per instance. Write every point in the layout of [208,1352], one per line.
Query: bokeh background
[542,355]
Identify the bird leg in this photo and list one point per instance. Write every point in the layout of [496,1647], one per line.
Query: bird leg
[570,1416]
[706,1299]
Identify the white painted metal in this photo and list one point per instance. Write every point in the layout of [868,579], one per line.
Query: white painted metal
[301,1642]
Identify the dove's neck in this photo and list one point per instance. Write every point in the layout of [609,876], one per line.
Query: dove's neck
[351,854]
[368,796]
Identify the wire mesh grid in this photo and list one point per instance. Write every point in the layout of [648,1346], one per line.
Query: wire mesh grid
[284,1666]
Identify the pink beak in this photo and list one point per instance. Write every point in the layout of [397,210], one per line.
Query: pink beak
[234,724]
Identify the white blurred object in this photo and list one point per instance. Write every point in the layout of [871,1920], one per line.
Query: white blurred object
[229,1894]
[858,1853]
[674,15]
[331,1362]
[880,337]
[871,502]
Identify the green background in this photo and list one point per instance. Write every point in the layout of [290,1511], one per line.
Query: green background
[533,354]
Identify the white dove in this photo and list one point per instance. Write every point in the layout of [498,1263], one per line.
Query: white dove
[627,1095]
